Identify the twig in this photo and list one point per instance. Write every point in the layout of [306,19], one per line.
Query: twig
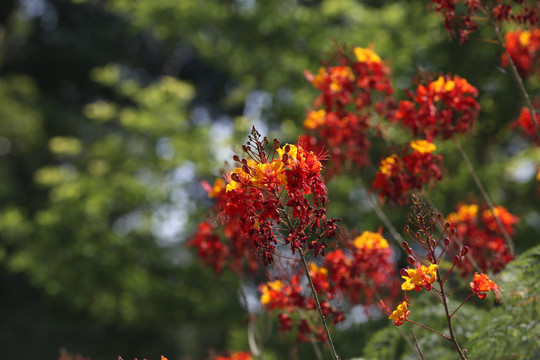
[316,298]
[485,195]
[417,346]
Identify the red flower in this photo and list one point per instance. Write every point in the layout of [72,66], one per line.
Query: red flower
[479,232]
[397,175]
[441,108]
[524,49]
[524,121]
[482,284]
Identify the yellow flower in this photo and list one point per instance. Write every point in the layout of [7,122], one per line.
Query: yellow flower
[366,55]
[276,285]
[315,119]
[525,38]
[400,314]
[442,84]
[420,277]
[388,163]
[268,174]
[293,152]
[423,146]
[314,269]
[219,184]
[370,240]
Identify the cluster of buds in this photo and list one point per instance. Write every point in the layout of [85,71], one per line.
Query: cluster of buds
[443,107]
[288,298]
[524,48]
[364,270]
[398,175]
[347,90]
[479,231]
[424,257]
[517,11]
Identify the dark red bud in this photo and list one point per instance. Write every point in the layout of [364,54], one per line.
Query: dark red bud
[244,148]
[285,157]
[464,251]
[404,272]
[235,177]
[446,225]
[432,243]
[406,229]
[446,241]
[287,148]
[456,259]
[405,245]
[430,258]
[245,169]
[452,231]
[236,158]
[410,260]
[408,251]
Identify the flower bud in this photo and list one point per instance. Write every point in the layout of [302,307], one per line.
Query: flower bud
[403,272]
[452,231]
[446,241]
[285,157]
[430,258]
[287,148]
[406,229]
[245,169]
[235,177]
[410,260]
[456,259]
[446,225]
[277,144]
[405,244]
[432,243]
[236,158]
[464,251]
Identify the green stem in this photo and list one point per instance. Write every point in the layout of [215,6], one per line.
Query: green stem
[485,195]
[316,298]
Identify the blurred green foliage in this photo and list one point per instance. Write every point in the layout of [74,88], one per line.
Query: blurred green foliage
[111,113]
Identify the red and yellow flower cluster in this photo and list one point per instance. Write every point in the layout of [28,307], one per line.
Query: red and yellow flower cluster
[443,107]
[524,49]
[347,91]
[398,175]
[479,231]
[264,192]
[289,298]
[363,270]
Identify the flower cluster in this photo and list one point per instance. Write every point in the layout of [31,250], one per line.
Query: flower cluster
[289,299]
[284,186]
[443,107]
[517,11]
[479,231]
[425,259]
[347,90]
[398,175]
[524,48]
[364,269]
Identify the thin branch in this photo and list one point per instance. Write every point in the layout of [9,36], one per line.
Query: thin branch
[485,195]
[316,298]
[417,346]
